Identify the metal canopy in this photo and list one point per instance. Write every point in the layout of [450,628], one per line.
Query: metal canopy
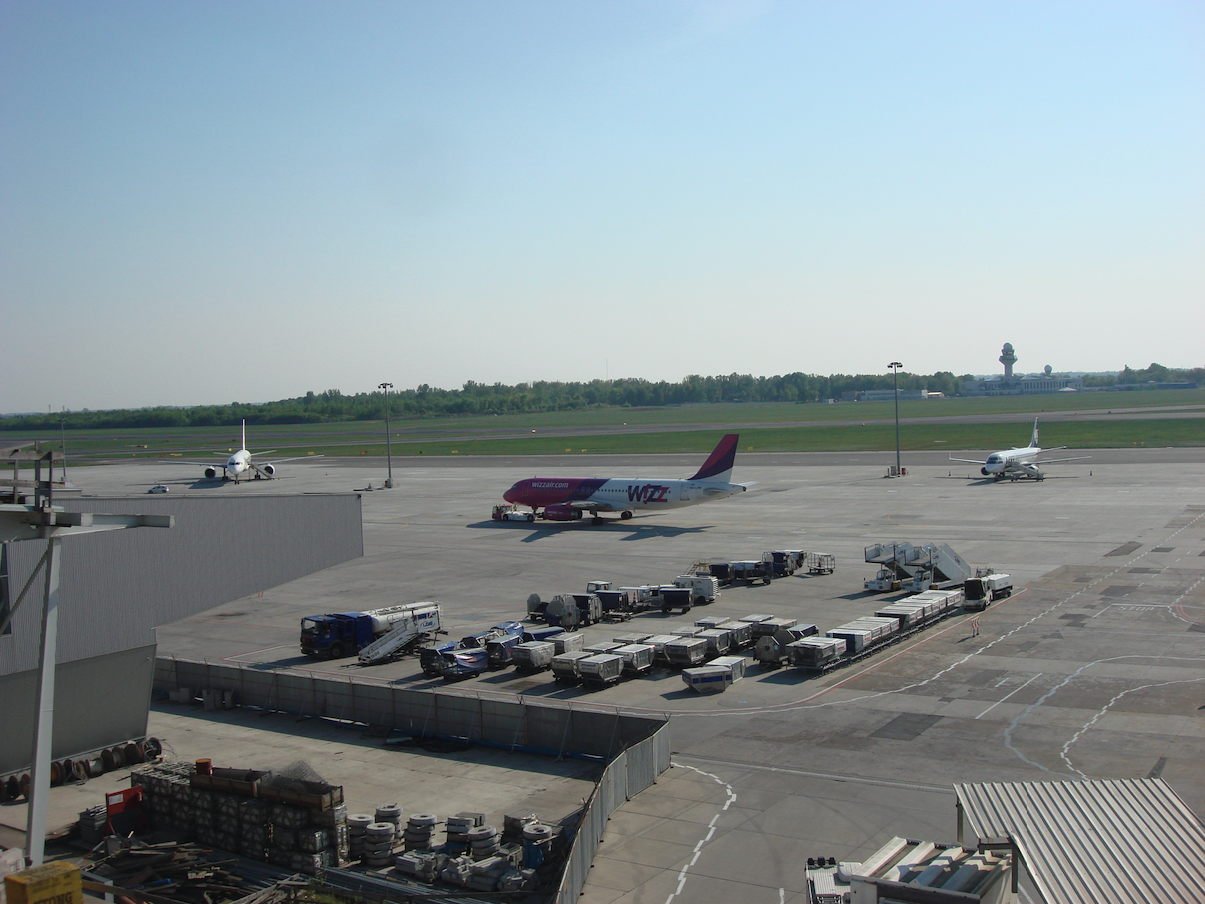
[1093,842]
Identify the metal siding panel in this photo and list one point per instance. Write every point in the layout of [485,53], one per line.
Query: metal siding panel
[117,586]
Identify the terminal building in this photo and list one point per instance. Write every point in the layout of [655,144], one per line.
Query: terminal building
[1028,384]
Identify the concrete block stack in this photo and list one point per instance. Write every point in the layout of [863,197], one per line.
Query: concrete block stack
[420,865]
[378,844]
[420,832]
[458,831]
[357,831]
[484,842]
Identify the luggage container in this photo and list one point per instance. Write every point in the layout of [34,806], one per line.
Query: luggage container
[637,658]
[533,655]
[567,643]
[546,633]
[880,628]
[770,625]
[564,665]
[603,669]
[856,639]
[498,652]
[602,646]
[771,649]
[735,664]
[718,640]
[685,631]
[755,619]
[616,604]
[685,652]
[742,633]
[708,679]
[456,664]
[815,652]
[658,642]
[907,616]
[676,598]
[786,561]
[626,639]
[711,621]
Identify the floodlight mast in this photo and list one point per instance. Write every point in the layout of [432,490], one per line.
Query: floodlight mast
[388,447]
[895,376]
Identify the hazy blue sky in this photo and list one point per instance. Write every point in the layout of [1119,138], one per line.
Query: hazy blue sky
[205,202]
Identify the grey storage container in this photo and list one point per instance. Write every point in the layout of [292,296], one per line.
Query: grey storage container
[770,625]
[602,646]
[735,664]
[658,642]
[533,656]
[815,652]
[718,640]
[637,657]
[708,679]
[742,633]
[855,638]
[603,668]
[564,665]
[567,643]
[685,652]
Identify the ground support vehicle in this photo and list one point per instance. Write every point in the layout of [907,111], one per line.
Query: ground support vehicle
[884,581]
[658,642]
[982,591]
[564,665]
[499,651]
[499,631]
[533,655]
[408,630]
[786,561]
[601,669]
[821,563]
[637,658]
[505,511]
[536,607]
[708,679]
[463,662]
[770,650]
[596,586]
[721,571]
[642,597]
[703,587]
[429,657]
[686,652]
[676,598]
[736,664]
[546,633]
[568,643]
[751,571]
[741,633]
[719,641]
[769,625]
[617,605]
[573,610]
[340,634]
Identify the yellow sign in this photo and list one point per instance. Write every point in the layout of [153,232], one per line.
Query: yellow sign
[50,883]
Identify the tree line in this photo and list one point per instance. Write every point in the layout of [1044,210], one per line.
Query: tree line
[333,405]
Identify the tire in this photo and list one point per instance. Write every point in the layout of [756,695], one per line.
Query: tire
[531,518]
[336,651]
[626,516]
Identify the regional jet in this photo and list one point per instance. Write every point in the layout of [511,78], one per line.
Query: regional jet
[568,498]
[1016,464]
[242,463]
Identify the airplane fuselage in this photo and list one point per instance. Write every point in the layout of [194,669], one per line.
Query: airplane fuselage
[999,463]
[617,494]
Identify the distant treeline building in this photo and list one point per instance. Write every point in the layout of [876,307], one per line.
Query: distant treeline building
[1030,384]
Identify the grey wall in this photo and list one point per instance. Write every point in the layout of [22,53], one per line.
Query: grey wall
[98,702]
[115,587]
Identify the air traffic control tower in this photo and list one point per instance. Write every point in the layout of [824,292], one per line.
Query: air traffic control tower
[1008,359]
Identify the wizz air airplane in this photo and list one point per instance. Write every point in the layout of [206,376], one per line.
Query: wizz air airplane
[242,463]
[568,498]
[1018,463]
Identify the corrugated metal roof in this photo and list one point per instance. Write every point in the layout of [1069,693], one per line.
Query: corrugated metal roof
[1095,842]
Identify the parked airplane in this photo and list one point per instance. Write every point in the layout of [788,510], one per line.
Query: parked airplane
[568,498]
[1018,463]
[242,462]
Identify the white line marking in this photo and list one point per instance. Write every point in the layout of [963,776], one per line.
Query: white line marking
[710,831]
[1006,696]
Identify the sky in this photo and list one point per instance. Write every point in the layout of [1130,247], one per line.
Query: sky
[209,202]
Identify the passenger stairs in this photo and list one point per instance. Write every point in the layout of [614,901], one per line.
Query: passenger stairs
[941,564]
[403,636]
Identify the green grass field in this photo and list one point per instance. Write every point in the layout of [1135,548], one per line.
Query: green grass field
[768,427]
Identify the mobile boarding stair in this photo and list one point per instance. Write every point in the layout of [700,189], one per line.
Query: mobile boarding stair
[405,635]
[940,564]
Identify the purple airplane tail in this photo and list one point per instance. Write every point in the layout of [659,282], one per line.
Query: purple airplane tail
[718,466]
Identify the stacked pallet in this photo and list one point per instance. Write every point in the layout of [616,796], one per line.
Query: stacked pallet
[181,872]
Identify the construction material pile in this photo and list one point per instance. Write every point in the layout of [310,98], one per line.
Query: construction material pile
[176,871]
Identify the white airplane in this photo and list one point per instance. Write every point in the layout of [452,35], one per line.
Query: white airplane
[1018,463]
[242,462]
[568,498]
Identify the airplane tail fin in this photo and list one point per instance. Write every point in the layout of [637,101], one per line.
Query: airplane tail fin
[718,466]
[244,446]
[1033,441]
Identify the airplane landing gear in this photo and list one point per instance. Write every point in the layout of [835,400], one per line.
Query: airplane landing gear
[626,516]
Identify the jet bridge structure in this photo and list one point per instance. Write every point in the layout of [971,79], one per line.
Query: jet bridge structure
[940,565]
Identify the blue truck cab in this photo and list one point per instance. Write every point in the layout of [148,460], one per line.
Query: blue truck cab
[335,636]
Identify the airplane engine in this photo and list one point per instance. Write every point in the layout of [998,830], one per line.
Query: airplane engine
[269,469]
[559,512]
[984,472]
[211,473]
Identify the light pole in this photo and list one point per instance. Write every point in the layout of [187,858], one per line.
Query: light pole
[895,379]
[388,446]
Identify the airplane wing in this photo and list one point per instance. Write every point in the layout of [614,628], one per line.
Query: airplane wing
[1051,461]
[198,464]
[266,452]
[969,461]
[295,458]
